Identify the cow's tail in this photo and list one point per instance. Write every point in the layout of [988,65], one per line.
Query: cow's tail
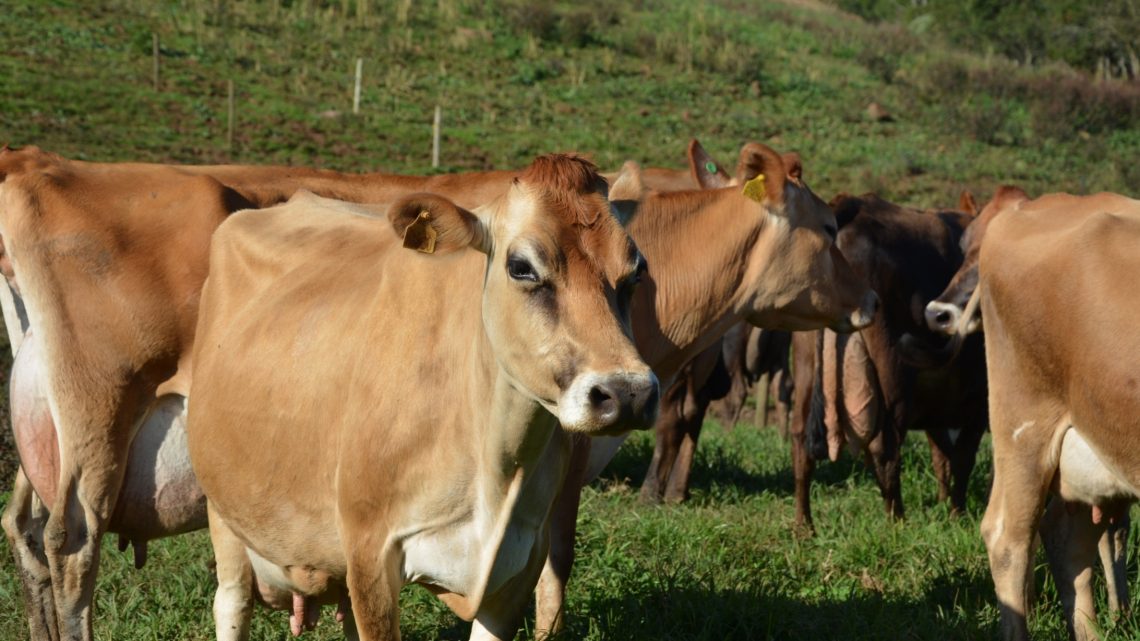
[815,437]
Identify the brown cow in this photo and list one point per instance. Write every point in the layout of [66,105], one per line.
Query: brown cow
[865,388]
[1011,234]
[763,253]
[381,416]
[103,267]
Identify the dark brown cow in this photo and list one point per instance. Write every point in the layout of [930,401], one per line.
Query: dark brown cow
[865,388]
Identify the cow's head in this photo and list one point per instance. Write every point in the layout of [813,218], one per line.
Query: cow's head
[797,279]
[560,273]
[945,313]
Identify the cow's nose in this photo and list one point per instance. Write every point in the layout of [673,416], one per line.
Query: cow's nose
[611,403]
[604,402]
[942,317]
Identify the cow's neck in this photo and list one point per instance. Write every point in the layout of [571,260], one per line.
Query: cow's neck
[698,246]
[521,459]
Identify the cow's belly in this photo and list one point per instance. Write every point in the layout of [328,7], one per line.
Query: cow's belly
[1084,476]
[160,494]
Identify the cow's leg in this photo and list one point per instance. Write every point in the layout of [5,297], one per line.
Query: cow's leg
[233,600]
[883,457]
[1012,515]
[696,406]
[23,522]
[804,353]
[669,435]
[374,583]
[551,592]
[940,455]
[500,614]
[763,390]
[782,391]
[1113,549]
[962,460]
[1070,539]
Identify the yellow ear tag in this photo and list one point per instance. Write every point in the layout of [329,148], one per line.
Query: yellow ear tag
[754,189]
[420,235]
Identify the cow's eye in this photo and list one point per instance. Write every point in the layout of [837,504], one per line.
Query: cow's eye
[642,268]
[521,269]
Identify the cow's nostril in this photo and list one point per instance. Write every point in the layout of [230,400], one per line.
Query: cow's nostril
[942,318]
[602,399]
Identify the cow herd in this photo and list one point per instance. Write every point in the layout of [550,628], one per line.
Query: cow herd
[360,381]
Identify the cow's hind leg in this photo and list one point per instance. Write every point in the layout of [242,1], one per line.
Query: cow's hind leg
[1113,548]
[233,600]
[1070,539]
[23,523]
[1021,481]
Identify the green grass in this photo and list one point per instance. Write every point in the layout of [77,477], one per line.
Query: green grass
[724,566]
[618,80]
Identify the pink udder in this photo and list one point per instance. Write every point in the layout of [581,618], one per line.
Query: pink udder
[32,424]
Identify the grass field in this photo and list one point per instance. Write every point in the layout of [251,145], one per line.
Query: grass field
[619,80]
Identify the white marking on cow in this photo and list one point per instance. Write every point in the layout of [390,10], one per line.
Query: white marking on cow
[1021,428]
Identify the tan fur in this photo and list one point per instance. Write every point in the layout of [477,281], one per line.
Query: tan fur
[717,258]
[1057,294]
[414,391]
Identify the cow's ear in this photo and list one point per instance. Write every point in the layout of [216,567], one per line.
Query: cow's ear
[1007,196]
[627,192]
[432,224]
[707,172]
[846,208]
[762,173]
[966,203]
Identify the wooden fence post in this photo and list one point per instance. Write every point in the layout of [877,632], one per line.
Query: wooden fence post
[230,111]
[154,51]
[435,138]
[356,90]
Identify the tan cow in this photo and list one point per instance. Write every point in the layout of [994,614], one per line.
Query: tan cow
[365,416]
[1060,420]
[760,251]
[104,265]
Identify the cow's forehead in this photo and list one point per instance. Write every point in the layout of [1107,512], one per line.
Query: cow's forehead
[572,224]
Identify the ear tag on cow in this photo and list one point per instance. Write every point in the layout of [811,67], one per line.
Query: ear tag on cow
[710,167]
[754,188]
[420,235]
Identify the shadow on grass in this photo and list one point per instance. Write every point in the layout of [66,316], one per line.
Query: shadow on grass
[951,608]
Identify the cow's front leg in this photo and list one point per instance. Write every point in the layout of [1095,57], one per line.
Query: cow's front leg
[23,522]
[550,595]
[500,614]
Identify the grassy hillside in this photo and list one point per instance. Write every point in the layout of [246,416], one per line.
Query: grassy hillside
[619,80]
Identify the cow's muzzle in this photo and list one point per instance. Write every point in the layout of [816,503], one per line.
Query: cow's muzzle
[610,403]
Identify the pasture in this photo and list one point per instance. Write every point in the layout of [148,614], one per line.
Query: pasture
[620,81]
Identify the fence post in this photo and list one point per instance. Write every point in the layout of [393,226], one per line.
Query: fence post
[435,138]
[154,51]
[356,90]
[230,111]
